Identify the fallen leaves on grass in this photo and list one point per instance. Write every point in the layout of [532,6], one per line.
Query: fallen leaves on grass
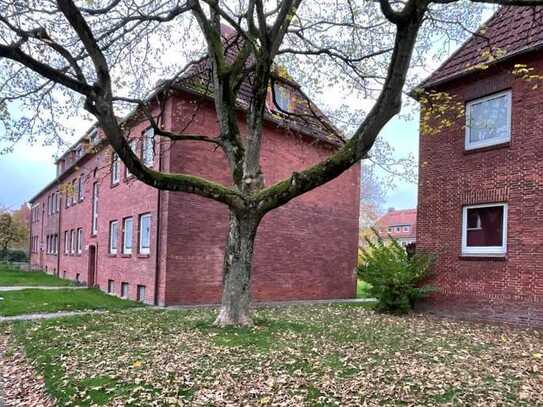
[19,383]
[297,356]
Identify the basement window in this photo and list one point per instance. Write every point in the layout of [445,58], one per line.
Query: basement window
[124,290]
[488,121]
[484,229]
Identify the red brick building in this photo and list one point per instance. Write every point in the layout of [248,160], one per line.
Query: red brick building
[481,182]
[98,225]
[398,224]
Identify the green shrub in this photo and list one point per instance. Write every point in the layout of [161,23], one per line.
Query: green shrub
[14,255]
[393,274]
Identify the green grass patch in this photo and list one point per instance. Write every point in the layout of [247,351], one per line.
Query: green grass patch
[38,301]
[299,355]
[362,289]
[12,277]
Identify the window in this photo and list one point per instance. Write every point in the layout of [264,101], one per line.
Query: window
[127,236]
[148,147]
[73,193]
[77,277]
[72,241]
[398,229]
[66,242]
[141,293]
[113,235]
[145,234]
[390,229]
[79,240]
[81,188]
[406,228]
[93,137]
[484,229]
[124,290]
[488,121]
[94,208]
[115,169]
[132,143]
[55,244]
[110,286]
[282,97]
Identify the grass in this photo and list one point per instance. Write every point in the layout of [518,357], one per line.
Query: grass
[362,289]
[300,355]
[11,277]
[37,301]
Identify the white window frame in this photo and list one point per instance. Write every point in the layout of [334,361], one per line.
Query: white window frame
[497,251]
[148,147]
[134,147]
[406,228]
[81,188]
[128,249]
[66,242]
[144,250]
[94,229]
[115,169]
[79,241]
[72,241]
[113,240]
[493,141]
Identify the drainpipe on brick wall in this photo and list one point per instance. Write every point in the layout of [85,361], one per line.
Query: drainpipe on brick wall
[59,234]
[30,240]
[157,255]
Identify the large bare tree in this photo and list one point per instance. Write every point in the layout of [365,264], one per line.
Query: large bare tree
[58,56]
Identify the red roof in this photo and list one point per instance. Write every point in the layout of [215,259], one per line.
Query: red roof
[510,31]
[398,218]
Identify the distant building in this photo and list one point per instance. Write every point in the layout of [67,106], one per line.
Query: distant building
[398,224]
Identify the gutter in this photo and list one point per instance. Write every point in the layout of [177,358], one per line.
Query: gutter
[157,251]
[467,71]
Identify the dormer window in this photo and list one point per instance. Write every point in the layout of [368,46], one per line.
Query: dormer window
[282,98]
[488,121]
[93,137]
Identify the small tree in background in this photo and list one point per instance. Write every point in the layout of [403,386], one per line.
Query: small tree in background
[393,274]
[13,232]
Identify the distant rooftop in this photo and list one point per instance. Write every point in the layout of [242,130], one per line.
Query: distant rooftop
[510,31]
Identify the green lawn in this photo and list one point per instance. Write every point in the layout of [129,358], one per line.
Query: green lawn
[11,276]
[362,289]
[296,356]
[38,301]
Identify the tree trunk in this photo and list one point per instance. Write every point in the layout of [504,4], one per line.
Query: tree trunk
[238,259]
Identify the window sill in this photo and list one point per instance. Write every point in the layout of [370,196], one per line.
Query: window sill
[111,255]
[115,184]
[126,256]
[143,256]
[483,257]
[482,149]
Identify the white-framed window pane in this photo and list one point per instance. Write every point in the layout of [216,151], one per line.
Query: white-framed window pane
[148,149]
[113,235]
[133,146]
[72,241]
[484,229]
[79,241]
[127,236]
[282,97]
[81,188]
[145,234]
[66,242]
[124,290]
[94,208]
[488,120]
[115,169]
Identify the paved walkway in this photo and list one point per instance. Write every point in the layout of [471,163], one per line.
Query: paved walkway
[28,287]
[52,315]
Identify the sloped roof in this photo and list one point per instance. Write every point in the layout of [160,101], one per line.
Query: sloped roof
[398,218]
[510,31]
[303,115]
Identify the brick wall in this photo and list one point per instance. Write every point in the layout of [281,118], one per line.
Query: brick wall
[508,289]
[304,250]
